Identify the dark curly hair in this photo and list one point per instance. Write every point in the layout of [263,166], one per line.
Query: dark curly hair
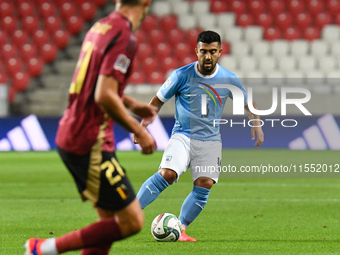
[209,37]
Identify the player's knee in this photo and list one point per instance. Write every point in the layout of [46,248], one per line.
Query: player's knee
[169,175]
[204,182]
[134,225]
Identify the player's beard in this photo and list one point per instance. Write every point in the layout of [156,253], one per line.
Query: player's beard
[208,69]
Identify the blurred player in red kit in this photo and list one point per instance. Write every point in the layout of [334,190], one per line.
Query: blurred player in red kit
[85,134]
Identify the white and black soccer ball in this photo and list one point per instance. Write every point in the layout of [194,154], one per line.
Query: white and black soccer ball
[166,227]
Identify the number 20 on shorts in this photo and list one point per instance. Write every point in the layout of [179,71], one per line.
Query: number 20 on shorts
[110,167]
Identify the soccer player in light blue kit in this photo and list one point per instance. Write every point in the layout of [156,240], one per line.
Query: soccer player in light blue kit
[195,141]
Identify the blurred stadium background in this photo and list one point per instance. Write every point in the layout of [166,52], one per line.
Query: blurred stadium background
[267,43]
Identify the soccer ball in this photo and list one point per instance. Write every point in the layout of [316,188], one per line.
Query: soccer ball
[166,227]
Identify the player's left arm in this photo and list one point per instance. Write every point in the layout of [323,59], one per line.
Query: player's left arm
[256,129]
[141,109]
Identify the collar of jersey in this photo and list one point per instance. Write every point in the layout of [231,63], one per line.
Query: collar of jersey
[112,14]
[206,76]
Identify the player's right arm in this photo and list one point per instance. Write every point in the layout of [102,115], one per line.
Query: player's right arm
[107,97]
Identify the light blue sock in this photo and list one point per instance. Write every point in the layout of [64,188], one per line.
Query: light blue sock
[193,205]
[151,188]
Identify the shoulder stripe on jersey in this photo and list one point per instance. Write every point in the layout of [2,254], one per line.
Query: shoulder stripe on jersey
[113,42]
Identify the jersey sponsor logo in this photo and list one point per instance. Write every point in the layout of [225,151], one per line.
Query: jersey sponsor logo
[168,158]
[122,63]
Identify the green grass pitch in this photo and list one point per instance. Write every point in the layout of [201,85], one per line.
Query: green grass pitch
[243,215]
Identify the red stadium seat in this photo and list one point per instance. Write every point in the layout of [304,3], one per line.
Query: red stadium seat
[18,2]
[192,36]
[189,59]
[100,3]
[284,20]
[225,48]
[48,52]
[315,7]
[323,19]
[245,20]
[296,7]
[218,6]
[8,51]
[52,24]
[238,7]
[67,10]
[79,2]
[272,33]
[311,33]
[75,25]
[3,38]
[20,81]
[19,37]
[3,78]
[256,7]
[25,9]
[60,2]
[88,11]
[149,23]
[175,36]
[156,77]
[141,36]
[276,7]
[163,50]
[40,37]
[30,24]
[265,20]
[183,50]
[169,22]
[61,38]
[333,7]
[46,10]
[6,9]
[291,34]
[303,20]
[144,51]
[13,66]
[169,63]
[137,77]
[156,36]
[35,67]
[11,95]
[9,24]
[149,65]
[337,19]
[40,2]
[28,51]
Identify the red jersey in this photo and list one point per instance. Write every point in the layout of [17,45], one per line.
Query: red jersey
[109,49]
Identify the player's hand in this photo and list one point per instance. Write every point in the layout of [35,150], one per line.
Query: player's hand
[144,110]
[257,131]
[145,140]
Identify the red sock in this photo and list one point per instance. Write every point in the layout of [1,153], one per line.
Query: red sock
[97,234]
[103,250]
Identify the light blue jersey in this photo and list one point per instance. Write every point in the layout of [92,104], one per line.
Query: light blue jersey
[190,89]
